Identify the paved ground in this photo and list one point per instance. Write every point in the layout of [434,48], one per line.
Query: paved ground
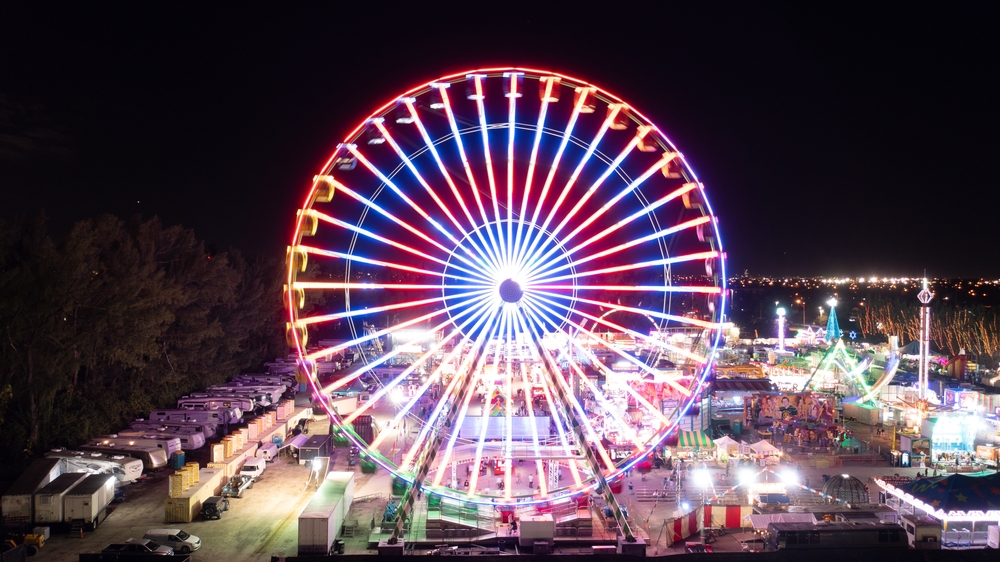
[264,522]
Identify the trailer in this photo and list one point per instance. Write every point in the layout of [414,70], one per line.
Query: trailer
[125,469]
[88,501]
[206,429]
[152,457]
[323,517]
[169,444]
[235,403]
[49,500]
[316,446]
[16,503]
[218,417]
[287,381]
[258,399]
[868,415]
[189,440]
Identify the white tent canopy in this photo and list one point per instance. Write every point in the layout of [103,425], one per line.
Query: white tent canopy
[764,448]
[726,441]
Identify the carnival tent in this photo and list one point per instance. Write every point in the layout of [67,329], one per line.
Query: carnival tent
[955,497]
[764,448]
[694,440]
[726,446]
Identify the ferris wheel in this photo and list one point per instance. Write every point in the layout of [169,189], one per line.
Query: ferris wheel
[529,278]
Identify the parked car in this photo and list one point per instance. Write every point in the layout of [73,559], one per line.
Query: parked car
[213,507]
[135,547]
[176,539]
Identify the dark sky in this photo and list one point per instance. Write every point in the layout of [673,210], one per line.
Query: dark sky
[845,139]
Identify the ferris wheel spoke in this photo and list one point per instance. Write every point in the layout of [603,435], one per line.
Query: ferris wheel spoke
[459,421]
[379,124]
[480,267]
[700,359]
[327,285]
[639,398]
[659,165]
[436,374]
[578,107]
[656,235]
[546,96]
[472,313]
[443,91]
[512,94]
[448,397]
[309,320]
[371,235]
[554,377]
[353,149]
[391,265]
[644,212]
[700,256]
[591,190]
[483,129]
[645,312]
[447,178]
[378,334]
[613,111]
[539,303]
[484,425]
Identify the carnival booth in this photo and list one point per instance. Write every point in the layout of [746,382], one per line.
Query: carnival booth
[766,452]
[966,505]
[725,448]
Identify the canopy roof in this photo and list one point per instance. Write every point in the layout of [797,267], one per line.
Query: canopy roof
[957,497]
[694,440]
[764,448]
[725,441]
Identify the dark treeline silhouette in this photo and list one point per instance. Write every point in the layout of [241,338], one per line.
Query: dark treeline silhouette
[116,319]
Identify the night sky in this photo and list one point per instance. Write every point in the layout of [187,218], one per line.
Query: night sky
[844,140]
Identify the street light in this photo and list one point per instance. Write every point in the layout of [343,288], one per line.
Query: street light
[781,329]
[803,303]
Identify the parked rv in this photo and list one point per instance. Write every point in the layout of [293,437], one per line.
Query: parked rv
[169,444]
[189,441]
[152,457]
[125,468]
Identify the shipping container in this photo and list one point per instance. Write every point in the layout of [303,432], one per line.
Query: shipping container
[89,500]
[49,500]
[126,469]
[321,520]
[16,502]
[316,446]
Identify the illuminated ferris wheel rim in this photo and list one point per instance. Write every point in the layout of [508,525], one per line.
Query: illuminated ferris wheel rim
[513,294]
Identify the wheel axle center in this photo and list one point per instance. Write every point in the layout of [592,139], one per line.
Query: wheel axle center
[510,291]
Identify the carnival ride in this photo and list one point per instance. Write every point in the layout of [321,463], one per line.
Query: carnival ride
[505,213]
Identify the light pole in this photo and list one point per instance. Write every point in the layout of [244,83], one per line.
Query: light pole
[803,303]
[781,329]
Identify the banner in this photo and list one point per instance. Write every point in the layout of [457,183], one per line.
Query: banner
[805,406]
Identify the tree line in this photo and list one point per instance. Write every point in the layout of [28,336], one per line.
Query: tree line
[116,319]
[974,328]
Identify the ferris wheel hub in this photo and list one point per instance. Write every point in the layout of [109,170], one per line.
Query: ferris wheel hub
[510,291]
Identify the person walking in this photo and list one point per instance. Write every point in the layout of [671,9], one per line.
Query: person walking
[531,478]
[631,490]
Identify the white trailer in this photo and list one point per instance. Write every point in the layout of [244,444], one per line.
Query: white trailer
[49,500]
[212,403]
[285,380]
[321,520]
[206,429]
[125,469]
[216,417]
[259,399]
[16,503]
[189,440]
[274,392]
[88,500]
[169,444]
[151,457]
